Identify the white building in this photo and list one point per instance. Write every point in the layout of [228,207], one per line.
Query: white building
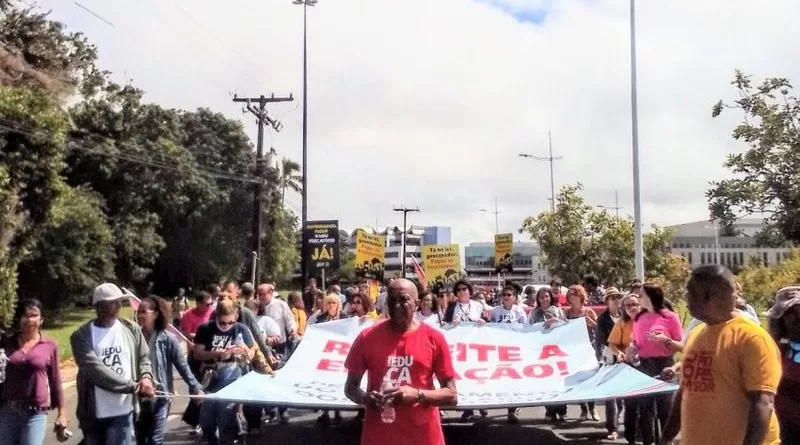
[527,257]
[702,243]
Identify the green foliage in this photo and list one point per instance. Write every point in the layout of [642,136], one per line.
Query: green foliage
[765,175]
[577,240]
[289,178]
[72,255]
[760,283]
[673,277]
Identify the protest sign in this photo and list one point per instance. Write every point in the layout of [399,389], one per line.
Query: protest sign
[498,366]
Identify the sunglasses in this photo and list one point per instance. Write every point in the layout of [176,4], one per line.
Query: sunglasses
[226,323]
[632,305]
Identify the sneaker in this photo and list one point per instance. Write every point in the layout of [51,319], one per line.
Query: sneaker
[593,415]
[583,417]
[561,417]
[196,431]
[612,436]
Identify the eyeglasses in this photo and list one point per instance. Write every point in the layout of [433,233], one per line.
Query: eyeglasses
[226,323]
[632,305]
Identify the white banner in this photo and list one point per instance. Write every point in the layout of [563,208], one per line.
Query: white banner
[498,365]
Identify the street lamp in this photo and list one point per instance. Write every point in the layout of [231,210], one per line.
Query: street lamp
[549,159]
[496,219]
[304,212]
[616,207]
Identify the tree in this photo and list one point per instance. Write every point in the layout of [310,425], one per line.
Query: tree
[577,240]
[674,277]
[765,175]
[73,254]
[289,178]
[760,283]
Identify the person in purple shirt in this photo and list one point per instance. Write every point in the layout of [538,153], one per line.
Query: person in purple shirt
[32,383]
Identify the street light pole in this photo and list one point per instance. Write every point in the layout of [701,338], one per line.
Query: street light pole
[405,211]
[304,191]
[549,159]
[616,208]
[496,219]
[638,242]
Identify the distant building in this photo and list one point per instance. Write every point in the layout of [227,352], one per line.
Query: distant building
[416,238]
[528,268]
[701,243]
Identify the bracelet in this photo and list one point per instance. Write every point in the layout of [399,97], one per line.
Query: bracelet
[420,396]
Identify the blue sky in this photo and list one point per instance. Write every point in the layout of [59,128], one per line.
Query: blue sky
[534,12]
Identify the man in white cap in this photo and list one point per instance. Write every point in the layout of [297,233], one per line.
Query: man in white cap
[113,368]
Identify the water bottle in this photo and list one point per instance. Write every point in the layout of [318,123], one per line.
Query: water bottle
[633,355]
[3,362]
[239,342]
[387,412]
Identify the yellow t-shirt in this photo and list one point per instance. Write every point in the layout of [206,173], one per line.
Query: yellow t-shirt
[721,364]
[300,320]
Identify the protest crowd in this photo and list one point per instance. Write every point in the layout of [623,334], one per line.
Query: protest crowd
[739,381]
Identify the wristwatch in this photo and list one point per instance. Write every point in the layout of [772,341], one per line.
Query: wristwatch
[420,396]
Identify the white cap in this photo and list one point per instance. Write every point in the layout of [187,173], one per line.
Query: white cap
[109,292]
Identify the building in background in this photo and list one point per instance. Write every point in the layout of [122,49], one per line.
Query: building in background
[700,242]
[528,269]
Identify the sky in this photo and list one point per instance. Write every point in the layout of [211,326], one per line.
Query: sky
[428,103]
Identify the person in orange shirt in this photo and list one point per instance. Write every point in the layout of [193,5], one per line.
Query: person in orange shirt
[620,338]
[295,301]
[730,373]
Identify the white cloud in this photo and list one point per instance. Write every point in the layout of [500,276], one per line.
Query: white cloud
[427,103]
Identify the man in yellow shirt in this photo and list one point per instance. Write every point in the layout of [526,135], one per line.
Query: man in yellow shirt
[730,373]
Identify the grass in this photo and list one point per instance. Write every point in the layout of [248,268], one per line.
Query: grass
[68,322]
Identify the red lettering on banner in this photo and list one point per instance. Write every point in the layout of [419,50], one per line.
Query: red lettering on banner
[330,365]
[562,368]
[483,351]
[460,351]
[509,353]
[505,371]
[551,351]
[336,347]
[472,374]
[538,371]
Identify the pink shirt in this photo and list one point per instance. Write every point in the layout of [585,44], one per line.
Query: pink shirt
[192,320]
[666,322]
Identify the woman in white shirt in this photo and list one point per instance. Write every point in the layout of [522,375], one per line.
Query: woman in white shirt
[465,309]
[428,311]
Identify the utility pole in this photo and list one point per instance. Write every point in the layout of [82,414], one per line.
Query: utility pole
[405,211]
[304,191]
[260,112]
[496,219]
[616,208]
[549,159]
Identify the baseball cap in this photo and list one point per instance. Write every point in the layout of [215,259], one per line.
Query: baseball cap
[784,299]
[109,292]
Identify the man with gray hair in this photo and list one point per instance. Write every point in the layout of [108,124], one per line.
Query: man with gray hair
[113,368]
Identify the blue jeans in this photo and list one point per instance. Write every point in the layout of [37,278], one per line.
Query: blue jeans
[20,426]
[221,415]
[151,423]
[111,431]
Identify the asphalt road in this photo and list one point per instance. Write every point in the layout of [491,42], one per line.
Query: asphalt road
[304,429]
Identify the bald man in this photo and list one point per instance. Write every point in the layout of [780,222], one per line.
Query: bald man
[405,354]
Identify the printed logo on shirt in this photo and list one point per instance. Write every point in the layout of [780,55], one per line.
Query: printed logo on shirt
[696,372]
[111,358]
[508,317]
[398,369]
[220,342]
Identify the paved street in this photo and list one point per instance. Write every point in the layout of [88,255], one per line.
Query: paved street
[303,429]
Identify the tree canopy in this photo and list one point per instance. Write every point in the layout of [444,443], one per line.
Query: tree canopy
[577,240]
[99,184]
[765,180]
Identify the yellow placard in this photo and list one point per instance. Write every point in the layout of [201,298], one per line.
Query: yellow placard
[442,266]
[370,255]
[503,257]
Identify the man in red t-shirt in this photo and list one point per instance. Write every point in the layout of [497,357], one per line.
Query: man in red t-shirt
[407,354]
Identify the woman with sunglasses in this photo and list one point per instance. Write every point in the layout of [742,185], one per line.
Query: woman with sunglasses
[619,340]
[153,315]
[222,345]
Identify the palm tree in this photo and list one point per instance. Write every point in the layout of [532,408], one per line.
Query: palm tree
[289,178]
